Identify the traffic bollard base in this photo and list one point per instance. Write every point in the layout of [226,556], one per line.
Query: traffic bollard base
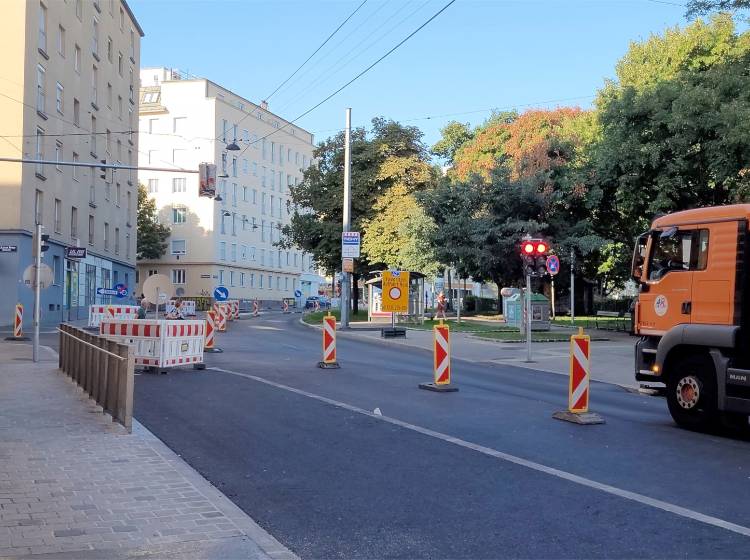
[17,338]
[438,388]
[329,365]
[199,366]
[578,417]
[213,350]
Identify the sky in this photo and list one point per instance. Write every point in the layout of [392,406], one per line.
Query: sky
[478,55]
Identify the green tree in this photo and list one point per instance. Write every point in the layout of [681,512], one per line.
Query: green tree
[152,236]
[453,136]
[389,154]
[703,7]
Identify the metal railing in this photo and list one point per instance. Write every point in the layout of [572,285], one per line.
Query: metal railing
[102,368]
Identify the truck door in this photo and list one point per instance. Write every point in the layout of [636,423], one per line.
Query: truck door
[715,273]
[665,299]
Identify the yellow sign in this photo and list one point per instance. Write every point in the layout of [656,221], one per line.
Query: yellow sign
[395,291]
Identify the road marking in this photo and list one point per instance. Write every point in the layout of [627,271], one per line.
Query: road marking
[570,477]
[261,327]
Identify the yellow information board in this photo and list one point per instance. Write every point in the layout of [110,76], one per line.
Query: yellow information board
[395,291]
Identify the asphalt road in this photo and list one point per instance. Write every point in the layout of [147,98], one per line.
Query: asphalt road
[482,473]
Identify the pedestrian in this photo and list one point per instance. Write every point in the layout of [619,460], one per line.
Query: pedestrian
[441,304]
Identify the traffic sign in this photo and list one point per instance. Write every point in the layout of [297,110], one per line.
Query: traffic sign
[395,291]
[122,291]
[75,252]
[106,292]
[350,242]
[221,293]
[347,265]
[46,276]
[553,264]
[297,293]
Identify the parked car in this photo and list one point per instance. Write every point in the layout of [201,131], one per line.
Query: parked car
[324,302]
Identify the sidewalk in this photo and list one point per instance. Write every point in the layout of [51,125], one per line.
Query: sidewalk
[611,360]
[74,484]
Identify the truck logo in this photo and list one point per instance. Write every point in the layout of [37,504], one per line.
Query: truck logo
[661,305]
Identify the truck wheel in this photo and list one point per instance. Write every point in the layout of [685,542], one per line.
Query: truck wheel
[691,393]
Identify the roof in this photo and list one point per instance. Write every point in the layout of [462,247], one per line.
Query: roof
[710,214]
[132,17]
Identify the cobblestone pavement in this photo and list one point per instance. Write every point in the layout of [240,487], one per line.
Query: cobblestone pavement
[74,484]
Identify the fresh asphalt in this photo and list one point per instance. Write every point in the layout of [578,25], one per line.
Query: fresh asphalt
[329,480]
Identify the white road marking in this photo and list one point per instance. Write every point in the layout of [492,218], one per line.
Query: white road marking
[261,327]
[564,475]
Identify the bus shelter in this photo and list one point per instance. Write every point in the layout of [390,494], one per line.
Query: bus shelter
[415,313]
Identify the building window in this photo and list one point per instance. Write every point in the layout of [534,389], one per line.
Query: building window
[222,250]
[262,203]
[131,86]
[95,39]
[234,167]
[109,95]
[79,9]
[91,229]
[75,167]
[242,279]
[263,257]
[58,215]
[252,279]
[223,224]
[224,163]
[119,63]
[179,247]
[73,222]
[244,194]
[132,45]
[127,245]
[118,192]
[94,80]
[255,196]
[41,92]
[179,185]
[251,254]
[92,143]
[221,278]
[178,276]
[42,28]
[231,277]
[260,280]
[109,49]
[58,154]
[40,150]
[233,252]
[255,169]
[77,59]
[243,252]
[117,241]
[106,236]
[153,184]
[234,194]
[61,41]
[59,103]
[273,152]
[76,112]
[234,223]
[122,19]
[179,214]
[270,282]
[179,125]
[286,282]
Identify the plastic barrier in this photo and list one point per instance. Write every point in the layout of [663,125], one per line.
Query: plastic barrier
[210,322]
[442,361]
[99,312]
[159,343]
[188,308]
[255,308]
[221,309]
[236,308]
[329,343]
[18,322]
[578,388]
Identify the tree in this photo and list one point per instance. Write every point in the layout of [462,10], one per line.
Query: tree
[674,129]
[390,154]
[453,136]
[703,7]
[152,236]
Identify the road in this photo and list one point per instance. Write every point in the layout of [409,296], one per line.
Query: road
[482,473]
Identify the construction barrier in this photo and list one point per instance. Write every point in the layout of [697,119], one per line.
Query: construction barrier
[188,308]
[255,308]
[441,361]
[159,343]
[99,312]
[18,322]
[329,343]
[578,386]
[221,309]
[209,345]
[234,309]
[284,307]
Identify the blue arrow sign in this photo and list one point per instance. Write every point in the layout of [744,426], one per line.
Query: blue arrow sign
[553,264]
[107,292]
[297,293]
[221,293]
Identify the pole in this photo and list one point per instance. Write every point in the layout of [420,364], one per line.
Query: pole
[37,289]
[458,305]
[572,288]
[345,287]
[528,317]
[553,298]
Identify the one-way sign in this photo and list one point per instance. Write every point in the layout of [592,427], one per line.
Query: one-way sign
[106,292]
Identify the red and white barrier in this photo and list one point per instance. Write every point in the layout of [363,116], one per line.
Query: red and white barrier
[255,308]
[210,335]
[285,307]
[329,343]
[234,309]
[159,343]
[221,309]
[99,312]
[578,390]
[441,361]
[18,322]
[188,308]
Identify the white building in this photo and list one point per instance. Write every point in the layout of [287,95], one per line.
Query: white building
[186,120]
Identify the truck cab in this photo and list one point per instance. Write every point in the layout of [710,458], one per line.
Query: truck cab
[691,313]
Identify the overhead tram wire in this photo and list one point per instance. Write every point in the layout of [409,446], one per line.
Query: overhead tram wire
[353,53]
[354,79]
[316,50]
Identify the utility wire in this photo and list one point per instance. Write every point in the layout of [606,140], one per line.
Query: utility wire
[316,50]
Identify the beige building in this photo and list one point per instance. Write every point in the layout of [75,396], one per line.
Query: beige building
[229,242]
[68,92]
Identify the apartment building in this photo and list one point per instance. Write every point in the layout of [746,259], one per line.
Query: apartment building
[68,93]
[186,120]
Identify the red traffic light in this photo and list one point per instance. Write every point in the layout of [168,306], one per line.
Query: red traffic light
[541,248]
[528,248]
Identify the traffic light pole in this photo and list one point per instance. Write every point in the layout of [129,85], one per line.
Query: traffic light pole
[528,318]
[37,290]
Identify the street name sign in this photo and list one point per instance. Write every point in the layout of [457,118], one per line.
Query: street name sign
[75,253]
[395,291]
[350,243]
[8,248]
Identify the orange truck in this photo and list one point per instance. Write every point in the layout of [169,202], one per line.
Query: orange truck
[693,313]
